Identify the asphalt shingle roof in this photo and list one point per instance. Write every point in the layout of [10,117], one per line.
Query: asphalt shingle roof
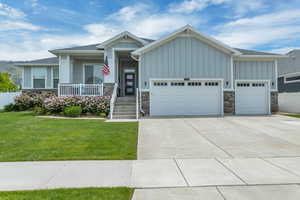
[45,61]
[252,52]
[86,47]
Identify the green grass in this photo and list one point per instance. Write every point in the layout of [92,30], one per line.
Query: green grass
[24,137]
[293,115]
[70,194]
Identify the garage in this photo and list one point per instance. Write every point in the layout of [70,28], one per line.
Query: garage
[252,98]
[179,97]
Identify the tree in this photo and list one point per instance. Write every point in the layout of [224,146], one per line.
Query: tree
[6,84]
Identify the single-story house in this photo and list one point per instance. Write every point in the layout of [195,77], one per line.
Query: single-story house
[184,73]
[289,82]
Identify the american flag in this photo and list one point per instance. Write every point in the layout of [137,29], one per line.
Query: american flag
[105,69]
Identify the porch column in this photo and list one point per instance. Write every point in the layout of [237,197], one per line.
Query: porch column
[65,69]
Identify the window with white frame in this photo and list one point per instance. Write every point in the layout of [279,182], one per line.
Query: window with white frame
[292,78]
[93,74]
[55,77]
[39,77]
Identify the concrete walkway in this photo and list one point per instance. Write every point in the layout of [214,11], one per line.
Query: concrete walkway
[165,173]
[227,137]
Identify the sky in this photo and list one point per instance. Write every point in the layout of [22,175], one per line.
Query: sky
[29,28]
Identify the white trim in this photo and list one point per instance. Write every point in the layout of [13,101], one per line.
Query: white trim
[116,68]
[255,81]
[192,79]
[188,28]
[123,34]
[46,78]
[232,75]
[41,64]
[83,71]
[94,52]
[261,56]
[52,77]
[290,75]
[23,77]
[276,75]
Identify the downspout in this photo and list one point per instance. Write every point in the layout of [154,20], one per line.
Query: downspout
[140,91]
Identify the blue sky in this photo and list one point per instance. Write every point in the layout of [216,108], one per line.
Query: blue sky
[29,28]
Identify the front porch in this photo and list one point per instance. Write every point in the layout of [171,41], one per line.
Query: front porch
[69,89]
[82,76]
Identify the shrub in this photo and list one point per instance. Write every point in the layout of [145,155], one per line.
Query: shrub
[29,101]
[6,84]
[102,114]
[39,110]
[73,111]
[91,105]
[24,102]
[10,108]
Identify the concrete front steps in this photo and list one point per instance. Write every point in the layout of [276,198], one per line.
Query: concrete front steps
[125,108]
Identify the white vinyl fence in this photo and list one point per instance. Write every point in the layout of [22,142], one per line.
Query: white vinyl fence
[289,102]
[7,98]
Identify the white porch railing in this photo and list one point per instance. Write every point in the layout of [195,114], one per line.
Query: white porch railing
[113,100]
[69,89]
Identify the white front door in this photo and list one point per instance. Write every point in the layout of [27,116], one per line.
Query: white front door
[197,97]
[252,98]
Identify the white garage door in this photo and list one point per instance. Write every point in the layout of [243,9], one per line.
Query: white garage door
[252,98]
[185,98]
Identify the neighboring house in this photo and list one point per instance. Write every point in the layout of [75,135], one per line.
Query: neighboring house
[289,82]
[184,73]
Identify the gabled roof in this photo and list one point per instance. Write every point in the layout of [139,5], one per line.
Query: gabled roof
[86,47]
[188,28]
[53,61]
[121,35]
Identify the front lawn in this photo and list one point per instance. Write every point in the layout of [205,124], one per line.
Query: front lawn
[25,137]
[74,194]
[293,115]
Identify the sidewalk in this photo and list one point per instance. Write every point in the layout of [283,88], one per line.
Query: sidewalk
[180,173]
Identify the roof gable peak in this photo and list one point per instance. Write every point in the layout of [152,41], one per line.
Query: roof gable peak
[188,28]
[121,35]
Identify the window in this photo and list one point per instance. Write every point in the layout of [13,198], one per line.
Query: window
[177,83]
[194,83]
[55,76]
[93,74]
[39,77]
[160,84]
[291,79]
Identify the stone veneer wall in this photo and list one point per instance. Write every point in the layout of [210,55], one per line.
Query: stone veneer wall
[274,102]
[108,89]
[229,102]
[146,102]
[39,91]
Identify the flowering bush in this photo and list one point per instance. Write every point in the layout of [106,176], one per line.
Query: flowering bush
[29,101]
[93,104]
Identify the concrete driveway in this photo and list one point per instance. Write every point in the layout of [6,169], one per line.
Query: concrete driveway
[228,137]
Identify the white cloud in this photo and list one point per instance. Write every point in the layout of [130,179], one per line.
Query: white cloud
[261,30]
[189,6]
[146,22]
[239,7]
[17,25]
[284,50]
[34,3]
[10,12]
[129,13]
